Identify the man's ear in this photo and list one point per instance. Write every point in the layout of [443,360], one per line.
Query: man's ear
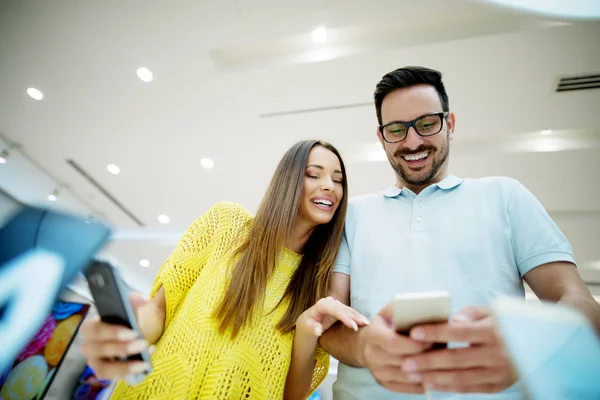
[451,121]
[380,137]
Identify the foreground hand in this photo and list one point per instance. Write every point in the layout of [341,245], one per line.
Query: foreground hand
[483,367]
[104,343]
[384,349]
[325,313]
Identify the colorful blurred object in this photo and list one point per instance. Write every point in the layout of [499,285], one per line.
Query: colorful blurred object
[90,387]
[63,310]
[49,378]
[31,374]
[25,380]
[3,376]
[60,340]
[40,339]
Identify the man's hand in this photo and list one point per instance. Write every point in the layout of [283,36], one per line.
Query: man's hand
[383,352]
[483,367]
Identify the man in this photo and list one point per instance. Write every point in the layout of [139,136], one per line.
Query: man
[476,238]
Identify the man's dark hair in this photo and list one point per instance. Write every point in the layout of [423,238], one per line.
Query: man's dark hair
[407,77]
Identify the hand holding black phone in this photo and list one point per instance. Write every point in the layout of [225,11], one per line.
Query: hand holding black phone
[113,305]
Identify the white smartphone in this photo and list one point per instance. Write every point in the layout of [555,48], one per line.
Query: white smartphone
[410,309]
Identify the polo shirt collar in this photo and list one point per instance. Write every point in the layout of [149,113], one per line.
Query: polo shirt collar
[447,183]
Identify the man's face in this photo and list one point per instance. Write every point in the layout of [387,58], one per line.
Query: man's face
[418,161]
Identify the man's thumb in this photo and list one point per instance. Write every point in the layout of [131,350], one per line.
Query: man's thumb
[471,314]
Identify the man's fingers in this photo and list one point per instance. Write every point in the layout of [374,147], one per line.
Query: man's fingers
[396,375]
[466,377]
[394,343]
[463,358]
[403,387]
[383,357]
[473,313]
[472,332]
[387,311]
[467,388]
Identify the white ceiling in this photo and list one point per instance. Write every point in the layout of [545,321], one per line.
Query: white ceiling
[231,79]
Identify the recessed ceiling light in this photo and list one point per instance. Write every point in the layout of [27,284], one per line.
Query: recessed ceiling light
[113,169]
[319,35]
[207,163]
[35,94]
[145,74]
[164,219]
[144,263]
[54,195]
[545,132]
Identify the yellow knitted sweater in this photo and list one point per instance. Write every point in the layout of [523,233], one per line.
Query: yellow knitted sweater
[192,360]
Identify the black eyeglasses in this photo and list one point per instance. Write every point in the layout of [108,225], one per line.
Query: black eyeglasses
[426,125]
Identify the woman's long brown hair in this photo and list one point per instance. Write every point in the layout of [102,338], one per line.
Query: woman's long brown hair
[257,256]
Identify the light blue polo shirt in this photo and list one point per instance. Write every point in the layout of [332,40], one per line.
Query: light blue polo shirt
[474,238]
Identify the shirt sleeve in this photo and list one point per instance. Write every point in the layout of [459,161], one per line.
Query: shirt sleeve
[536,239]
[179,273]
[342,262]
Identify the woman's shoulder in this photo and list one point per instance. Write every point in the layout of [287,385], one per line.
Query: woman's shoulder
[229,209]
[225,215]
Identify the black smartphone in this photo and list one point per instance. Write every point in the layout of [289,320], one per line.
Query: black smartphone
[112,302]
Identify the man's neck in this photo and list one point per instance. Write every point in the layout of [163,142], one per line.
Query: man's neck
[418,188]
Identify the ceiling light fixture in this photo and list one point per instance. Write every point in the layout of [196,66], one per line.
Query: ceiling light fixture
[164,219]
[207,163]
[145,74]
[35,93]
[113,169]
[144,263]
[53,196]
[319,35]
[545,132]
[4,156]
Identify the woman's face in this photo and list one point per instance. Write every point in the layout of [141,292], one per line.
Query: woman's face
[322,191]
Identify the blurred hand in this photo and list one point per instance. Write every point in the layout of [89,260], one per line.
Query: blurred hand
[325,313]
[483,367]
[103,345]
[384,351]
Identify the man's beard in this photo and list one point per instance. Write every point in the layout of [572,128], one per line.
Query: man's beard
[416,177]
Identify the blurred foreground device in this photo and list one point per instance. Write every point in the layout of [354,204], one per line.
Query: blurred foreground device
[41,251]
[555,349]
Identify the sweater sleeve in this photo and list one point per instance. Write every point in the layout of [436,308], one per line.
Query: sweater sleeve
[321,369]
[181,270]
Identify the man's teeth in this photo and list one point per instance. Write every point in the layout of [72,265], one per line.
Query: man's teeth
[415,157]
[323,202]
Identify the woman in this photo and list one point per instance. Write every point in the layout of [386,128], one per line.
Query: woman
[237,309]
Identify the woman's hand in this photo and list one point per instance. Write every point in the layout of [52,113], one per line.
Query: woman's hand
[104,344]
[325,313]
